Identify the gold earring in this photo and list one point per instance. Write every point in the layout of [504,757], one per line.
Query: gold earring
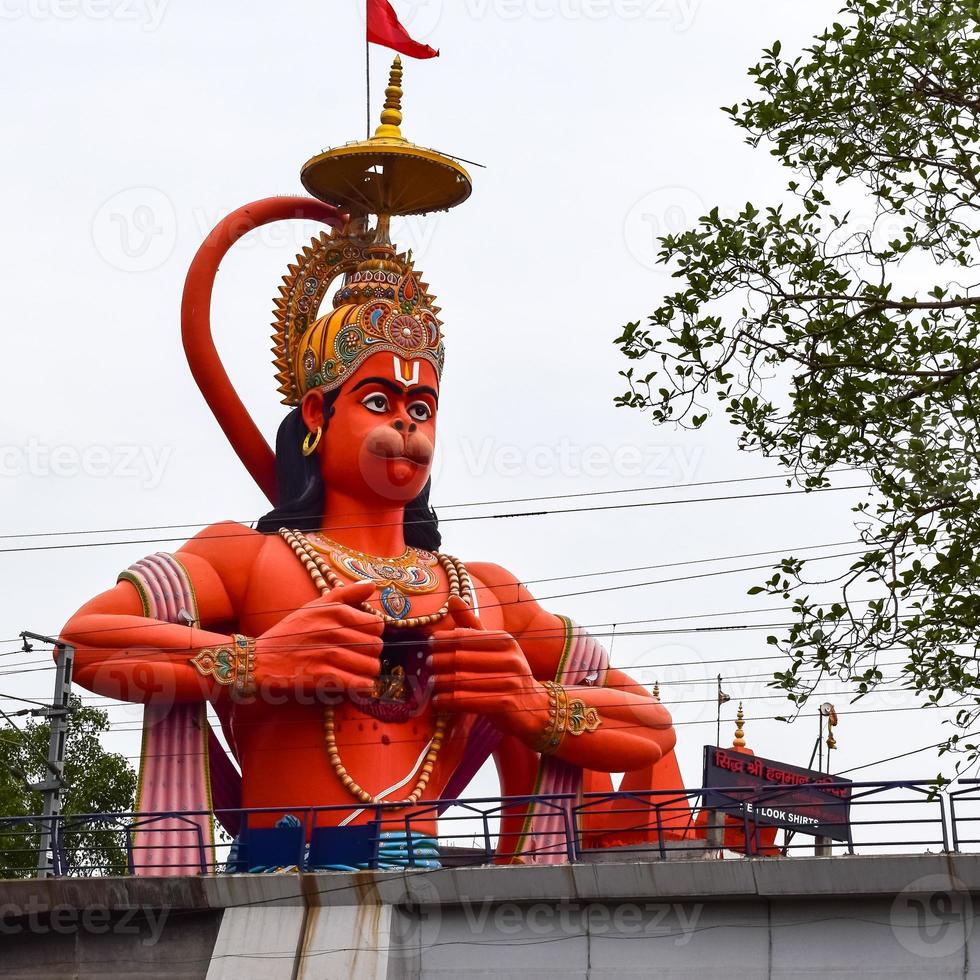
[310,447]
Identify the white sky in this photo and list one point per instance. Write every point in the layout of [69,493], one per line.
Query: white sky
[132,126]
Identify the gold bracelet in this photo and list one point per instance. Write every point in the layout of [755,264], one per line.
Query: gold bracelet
[565,717]
[230,665]
[557,725]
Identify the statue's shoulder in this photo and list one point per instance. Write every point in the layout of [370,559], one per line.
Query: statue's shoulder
[220,560]
[542,633]
[492,577]
[224,530]
[505,591]
[225,544]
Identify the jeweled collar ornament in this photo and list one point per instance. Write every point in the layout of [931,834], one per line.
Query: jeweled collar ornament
[412,572]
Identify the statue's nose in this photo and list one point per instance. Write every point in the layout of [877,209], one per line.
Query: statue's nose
[399,426]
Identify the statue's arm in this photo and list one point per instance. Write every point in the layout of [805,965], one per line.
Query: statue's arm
[121,653]
[329,644]
[634,729]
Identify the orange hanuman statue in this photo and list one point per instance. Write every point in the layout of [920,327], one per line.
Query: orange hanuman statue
[348,660]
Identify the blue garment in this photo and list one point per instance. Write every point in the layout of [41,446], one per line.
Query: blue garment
[394,853]
[232,864]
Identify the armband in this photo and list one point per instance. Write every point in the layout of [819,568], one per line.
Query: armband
[230,666]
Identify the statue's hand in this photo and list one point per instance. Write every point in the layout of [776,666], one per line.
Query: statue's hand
[330,645]
[479,670]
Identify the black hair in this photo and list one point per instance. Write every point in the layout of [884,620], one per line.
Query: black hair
[301,488]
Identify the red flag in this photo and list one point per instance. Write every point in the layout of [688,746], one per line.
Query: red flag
[384,27]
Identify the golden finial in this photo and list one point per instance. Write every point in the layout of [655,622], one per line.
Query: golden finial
[387,174]
[656,690]
[739,742]
[391,114]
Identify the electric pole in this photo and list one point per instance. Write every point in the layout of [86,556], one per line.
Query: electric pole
[53,783]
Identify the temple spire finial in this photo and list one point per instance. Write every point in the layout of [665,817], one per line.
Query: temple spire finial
[739,741]
[387,173]
[391,114]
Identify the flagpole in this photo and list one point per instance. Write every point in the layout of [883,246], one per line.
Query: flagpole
[367,77]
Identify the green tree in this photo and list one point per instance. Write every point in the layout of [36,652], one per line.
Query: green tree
[97,782]
[833,341]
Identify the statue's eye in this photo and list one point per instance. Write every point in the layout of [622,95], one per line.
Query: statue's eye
[376,402]
[420,411]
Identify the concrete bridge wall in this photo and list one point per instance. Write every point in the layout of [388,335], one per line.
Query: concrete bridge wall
[864,916]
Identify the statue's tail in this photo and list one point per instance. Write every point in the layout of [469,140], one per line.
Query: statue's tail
[195,321]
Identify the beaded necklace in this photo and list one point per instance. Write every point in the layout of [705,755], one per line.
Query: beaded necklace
[325,579]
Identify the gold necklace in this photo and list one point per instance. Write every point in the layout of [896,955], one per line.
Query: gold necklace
[324,579]
[411,573]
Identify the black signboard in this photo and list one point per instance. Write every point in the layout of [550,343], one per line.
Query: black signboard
[777,794]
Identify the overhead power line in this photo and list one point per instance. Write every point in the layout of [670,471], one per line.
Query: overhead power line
[748,720]
[564,595]
[786,551]
[441,507]
[469,517]
[666,682]
[540,633]
[668,703]
[14,697]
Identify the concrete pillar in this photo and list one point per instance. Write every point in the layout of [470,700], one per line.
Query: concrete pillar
[259,942]
[715,830]
[346,941]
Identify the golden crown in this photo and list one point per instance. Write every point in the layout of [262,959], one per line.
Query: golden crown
[383,305]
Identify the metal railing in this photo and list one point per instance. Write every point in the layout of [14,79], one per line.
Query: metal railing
[874,817]
[964,814]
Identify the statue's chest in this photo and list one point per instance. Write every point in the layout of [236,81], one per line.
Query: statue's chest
[277,585]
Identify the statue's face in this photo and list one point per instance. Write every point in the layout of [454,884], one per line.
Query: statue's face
[381,437]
